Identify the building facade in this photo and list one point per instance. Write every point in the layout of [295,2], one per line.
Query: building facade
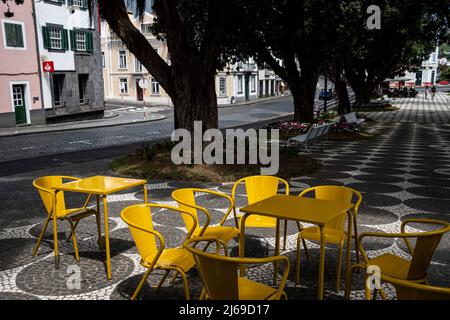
[238,82]
[71,40]
[122,71]
[428,73]
[20,92]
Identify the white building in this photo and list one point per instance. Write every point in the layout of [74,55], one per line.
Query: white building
[428,71]
[66,37]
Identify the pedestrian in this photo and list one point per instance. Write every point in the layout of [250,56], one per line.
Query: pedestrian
[426,92]
[433,91]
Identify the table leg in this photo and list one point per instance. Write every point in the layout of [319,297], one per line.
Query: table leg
[108,254]
[145,194]
[349,245]
[277,250]
[242,244]
[55,232]
[321,263]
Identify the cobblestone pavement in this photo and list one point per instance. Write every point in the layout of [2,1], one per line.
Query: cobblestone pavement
[403,173]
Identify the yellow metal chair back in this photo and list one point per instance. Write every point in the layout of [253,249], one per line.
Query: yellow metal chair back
[260,187]
[220,273]
[186,202]
[335,193]
[139,220]
[426,244]
[44,186]
[409,290]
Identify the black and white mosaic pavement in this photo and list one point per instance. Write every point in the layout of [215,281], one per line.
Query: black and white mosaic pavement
[403,173]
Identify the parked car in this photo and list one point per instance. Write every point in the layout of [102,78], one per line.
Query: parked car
[326,94]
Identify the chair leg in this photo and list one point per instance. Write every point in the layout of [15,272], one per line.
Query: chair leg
[74,228]
[141,284]
[339,266]
[308,257]
[74,238]
[41,236]
[356,239]
[99,230]
[185,284]
[348,281]
[297,270]
[174,277]
[162,280]
[55,242]
[284,295]
[285,234]
[202,294]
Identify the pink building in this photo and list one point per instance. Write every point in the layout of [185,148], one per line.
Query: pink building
[20,91]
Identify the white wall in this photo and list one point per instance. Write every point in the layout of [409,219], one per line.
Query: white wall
[63,61]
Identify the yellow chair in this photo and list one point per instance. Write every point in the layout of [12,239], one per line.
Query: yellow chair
[139,220]
[334,231]
[259,188]
[409,290]
[45,186]
[414,270]
[186,201]
[220,277]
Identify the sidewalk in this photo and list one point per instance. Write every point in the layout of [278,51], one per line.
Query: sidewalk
[114,103]
[112,118]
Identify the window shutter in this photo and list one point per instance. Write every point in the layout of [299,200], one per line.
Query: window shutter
[64,39]
[84,3]
[89,42]
[46,37]
[69,2]
[10,34]
[73,46]
[64,1]
[19,36]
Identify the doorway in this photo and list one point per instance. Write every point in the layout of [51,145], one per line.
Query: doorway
[20,109]
[139,91]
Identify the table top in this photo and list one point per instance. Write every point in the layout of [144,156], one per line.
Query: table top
[303,209]
[100,185]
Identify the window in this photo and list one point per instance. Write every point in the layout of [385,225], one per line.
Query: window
[222,86]
[122,59]
[253,83]
[82,85]
[239,84]
[146,28]
[13,35]
[78,3]
[155,86]
[55,38]
[137,65]
[124,85]
[103,60]
[81,41]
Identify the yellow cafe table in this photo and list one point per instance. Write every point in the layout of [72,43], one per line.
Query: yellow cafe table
[103,186]
[308,210]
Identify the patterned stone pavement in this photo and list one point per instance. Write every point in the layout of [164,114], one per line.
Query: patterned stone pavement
[403,173]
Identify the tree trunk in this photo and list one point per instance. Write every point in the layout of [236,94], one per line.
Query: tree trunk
[362,95]
[342,96]
[304,94]
[195,100]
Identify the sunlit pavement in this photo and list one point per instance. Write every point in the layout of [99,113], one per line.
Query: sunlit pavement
[403,173]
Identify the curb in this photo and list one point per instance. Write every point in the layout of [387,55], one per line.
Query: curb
[49,130]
